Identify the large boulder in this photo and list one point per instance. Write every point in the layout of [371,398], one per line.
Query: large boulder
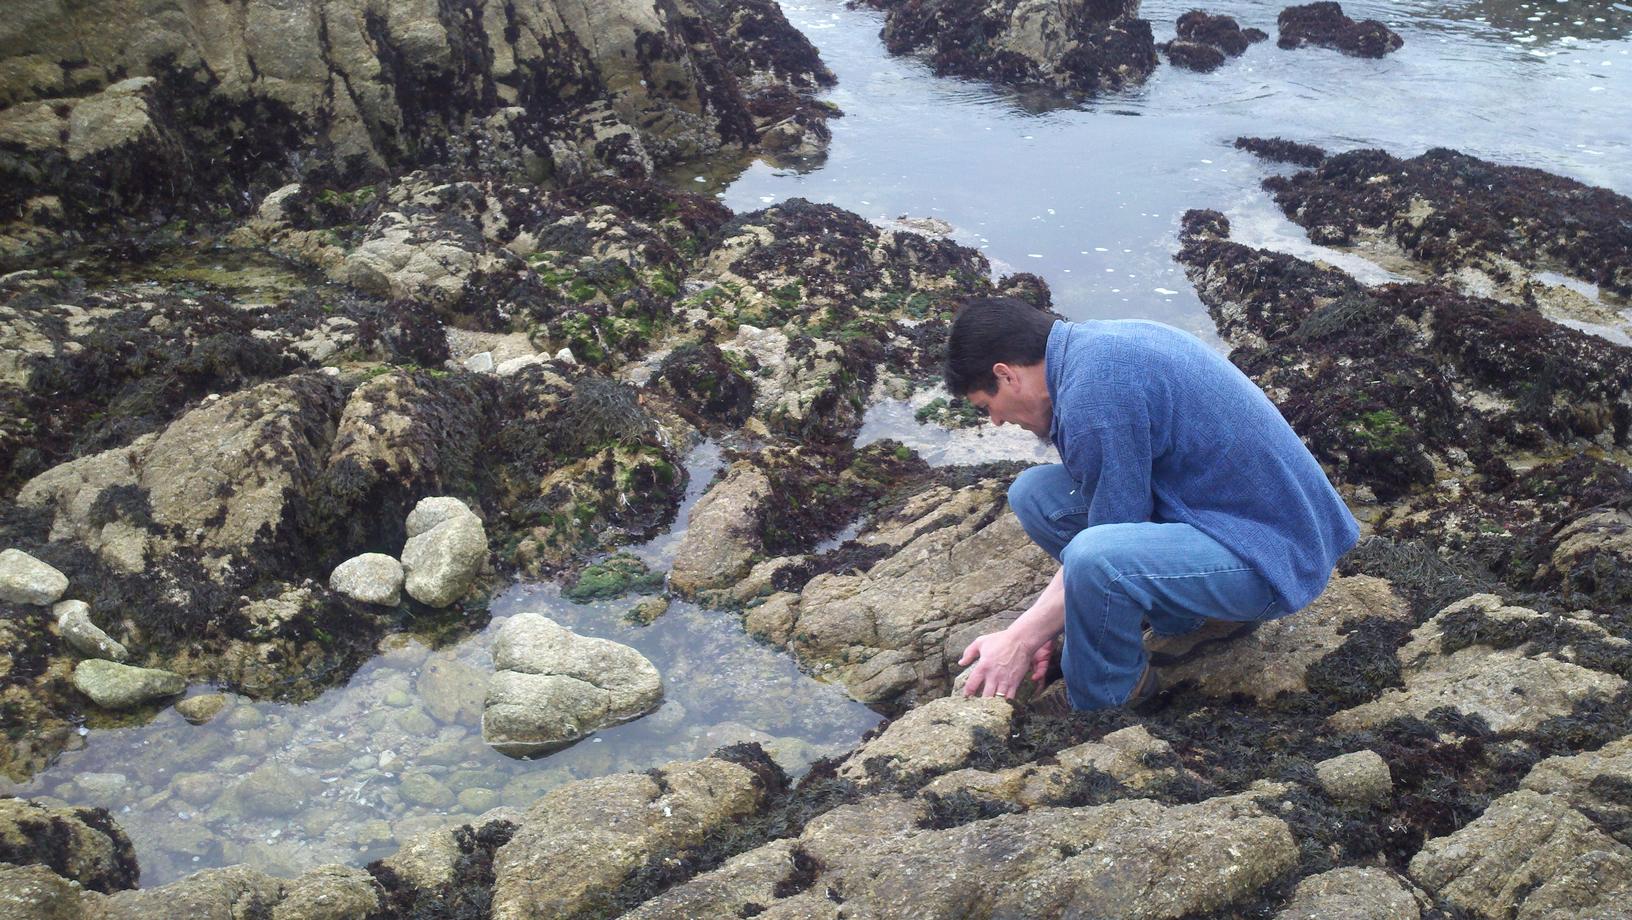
[553,686]
[578,844]
[82,844]
[446,549]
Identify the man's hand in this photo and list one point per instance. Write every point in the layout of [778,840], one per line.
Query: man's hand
[1002,661]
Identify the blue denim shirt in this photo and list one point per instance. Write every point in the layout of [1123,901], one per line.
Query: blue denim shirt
[1155,426]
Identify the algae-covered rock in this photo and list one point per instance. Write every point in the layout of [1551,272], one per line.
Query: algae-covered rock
[329,893]
[120,686]
[612,577]
[274,790]
[26,580]
[931,739]
[1206,40]
[231,892]
[373,578]
[553,687]
[82,844]
[202,708]
[578,844]
[85,637]
[1324,25]
[1355,891]
[37,893]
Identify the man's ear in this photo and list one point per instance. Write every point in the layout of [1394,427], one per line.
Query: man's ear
[1003,372]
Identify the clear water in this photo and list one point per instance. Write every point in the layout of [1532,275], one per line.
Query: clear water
[1086,194]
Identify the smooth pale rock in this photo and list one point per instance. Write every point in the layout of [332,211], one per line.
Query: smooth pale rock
[26,580]
[553,686]
[934,738]
[1354,893]
[120,686]
[583,840]
[373,578]
[1361,778]
[1529,855]
[83,636]
[421,788]
[506,368]
[446,548]
[565,356]
[480,363]
[202,708]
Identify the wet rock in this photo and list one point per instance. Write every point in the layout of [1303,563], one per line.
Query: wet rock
[1510,690]
[274,791]
[1528,855]
[37,893]
[552,687]
[120,686]
[217,894]
[1354,891]
[705,382]
[1206,40]
[372,578]
[446,549]
[1453,213]
[1281,150]
[952,564]
[615,576]
[451,690]
[1131,757]
[578,844]
[935,738]
[425,860]
[1324,25]
[198,789]
[85,637]
[1087,45]
[329,893]
[420,788]
[1594,556]
[1280,655]
[723,533]
[1360,778]
[82,844]
[646,611]
[26,580]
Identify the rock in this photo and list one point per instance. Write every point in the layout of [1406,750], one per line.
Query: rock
[202,708]
[481,363]
[104,790]
[441,560]
[198,788]
[1528,855]
[329,893]
[274,791]
[1131,756]
[1360,778]
[614,576]
[37,893]
[26,580]
[1591,783]
[373,578]
[421,788]
[81,844]
[451,690]
[723,534]
[957,564]
[211,894]
[1205,41]
[647,610]
[552,687]
[1324,25]
[1355,892]
[120,686]
[578,844]
[1510,690]
[934,738]
[425,861]
[85,637]
[1277,657]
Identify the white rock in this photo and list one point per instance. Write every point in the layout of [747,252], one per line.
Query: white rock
[373,578]
[515,364]
[85,637]
[26,580]
[480,363]
[565,356]
[444,553]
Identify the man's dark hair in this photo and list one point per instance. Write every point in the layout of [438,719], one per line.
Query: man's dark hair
[990,330]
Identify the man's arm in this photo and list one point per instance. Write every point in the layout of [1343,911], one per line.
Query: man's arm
[1022,650]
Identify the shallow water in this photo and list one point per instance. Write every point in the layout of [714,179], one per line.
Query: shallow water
[398,750]
[1089,195]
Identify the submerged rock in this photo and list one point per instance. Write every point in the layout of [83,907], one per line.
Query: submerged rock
[26,580]
[446,549]
[202,708]
[553,687]
[85,637]
[1324,25]
[373,578]
[120,686]
[1086,45]
[1206,40]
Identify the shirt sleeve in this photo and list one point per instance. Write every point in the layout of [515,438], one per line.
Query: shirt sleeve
[1115,463]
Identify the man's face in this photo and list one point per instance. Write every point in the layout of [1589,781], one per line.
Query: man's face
[1016,402]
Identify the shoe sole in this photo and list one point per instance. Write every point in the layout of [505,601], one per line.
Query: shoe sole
[1160,660]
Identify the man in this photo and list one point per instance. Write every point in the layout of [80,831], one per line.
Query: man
[1184,501]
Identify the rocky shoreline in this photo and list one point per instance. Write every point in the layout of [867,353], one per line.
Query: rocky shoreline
[498,350]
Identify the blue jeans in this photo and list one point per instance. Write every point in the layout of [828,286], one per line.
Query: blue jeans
[1120,576]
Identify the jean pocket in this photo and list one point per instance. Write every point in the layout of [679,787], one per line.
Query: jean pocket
[1065,512]
[1272,611]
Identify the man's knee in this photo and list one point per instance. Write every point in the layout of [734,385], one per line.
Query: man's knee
[1029,495]
[1094,554]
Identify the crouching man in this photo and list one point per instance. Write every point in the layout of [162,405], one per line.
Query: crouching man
[1186,511]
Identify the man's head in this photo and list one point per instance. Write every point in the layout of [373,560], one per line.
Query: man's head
[995,360]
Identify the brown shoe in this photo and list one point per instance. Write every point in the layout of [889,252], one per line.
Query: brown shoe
[1054,700]
[1167,651]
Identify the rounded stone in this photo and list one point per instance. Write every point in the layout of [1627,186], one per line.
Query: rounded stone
[477,800]
[26,580]
[83,636]
[202,708]
[415,722]
[424,789]
[1360,778]
[119,686]
[372,578]
[442,562]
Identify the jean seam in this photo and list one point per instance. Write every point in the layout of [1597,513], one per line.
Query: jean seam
[1054,516]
